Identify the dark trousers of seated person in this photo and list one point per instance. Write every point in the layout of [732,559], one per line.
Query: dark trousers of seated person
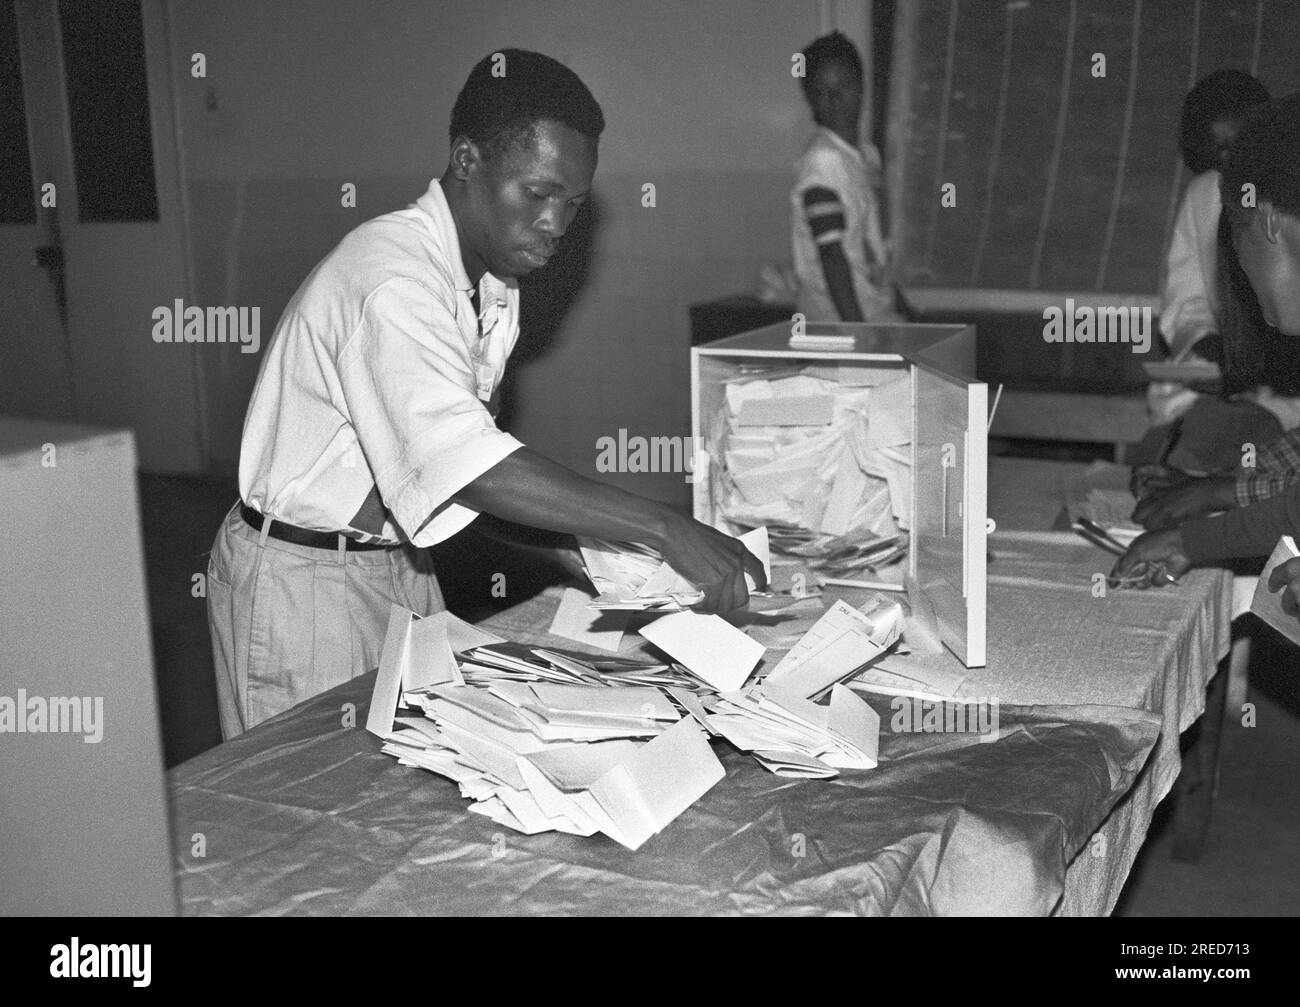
[1214,436]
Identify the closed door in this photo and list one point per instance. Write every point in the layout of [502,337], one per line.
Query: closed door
[92,240]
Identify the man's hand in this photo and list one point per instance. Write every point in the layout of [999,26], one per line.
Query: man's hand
[1287,575]
[713,562]
[1148,479]
[1156,558]
[528,489]
[1170,502]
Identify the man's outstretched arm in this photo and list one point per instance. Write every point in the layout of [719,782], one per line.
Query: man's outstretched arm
[529,489]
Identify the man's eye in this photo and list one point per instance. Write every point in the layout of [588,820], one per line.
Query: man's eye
[536,195]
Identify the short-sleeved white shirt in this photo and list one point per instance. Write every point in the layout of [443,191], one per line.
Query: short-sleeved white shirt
[1190,302]
[377,376]
[854,175]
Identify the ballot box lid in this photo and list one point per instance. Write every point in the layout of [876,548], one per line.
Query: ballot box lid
[871,341]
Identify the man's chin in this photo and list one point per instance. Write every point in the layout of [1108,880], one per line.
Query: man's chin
[518,266]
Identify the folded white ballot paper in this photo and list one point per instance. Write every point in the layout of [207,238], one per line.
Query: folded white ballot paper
[598,752]
[709,646]
[840,643]
[418,652]
[634,577]
[576,620]
[539,757]
[1268,604]
[921,676]
[792,736]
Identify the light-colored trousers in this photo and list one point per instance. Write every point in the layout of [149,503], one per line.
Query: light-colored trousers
[289,621]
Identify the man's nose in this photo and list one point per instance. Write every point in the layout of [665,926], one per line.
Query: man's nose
[551,222]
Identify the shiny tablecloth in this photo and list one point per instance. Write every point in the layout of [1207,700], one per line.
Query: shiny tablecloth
[304,815]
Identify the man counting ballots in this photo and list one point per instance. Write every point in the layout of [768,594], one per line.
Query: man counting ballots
[369,434]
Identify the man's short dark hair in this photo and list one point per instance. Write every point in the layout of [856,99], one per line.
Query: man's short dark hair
[833,48]
[1266,155]
[1223,94]
[498,110]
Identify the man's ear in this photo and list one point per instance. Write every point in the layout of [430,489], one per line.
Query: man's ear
[465,158]
[1272,220]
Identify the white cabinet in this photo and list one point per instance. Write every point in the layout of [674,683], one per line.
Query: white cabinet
[83,825]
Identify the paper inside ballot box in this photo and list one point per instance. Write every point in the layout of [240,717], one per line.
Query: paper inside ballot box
[1268,604]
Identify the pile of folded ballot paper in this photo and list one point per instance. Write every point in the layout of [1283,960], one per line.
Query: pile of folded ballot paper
[538,739]
[821,456]
[634,577]
[538,756]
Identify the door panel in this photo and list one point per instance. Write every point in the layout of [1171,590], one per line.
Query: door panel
[36,380]
[117,271]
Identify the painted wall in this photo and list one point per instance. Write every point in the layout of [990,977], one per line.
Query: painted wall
[302,96]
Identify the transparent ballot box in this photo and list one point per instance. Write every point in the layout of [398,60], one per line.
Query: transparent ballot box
[898,401]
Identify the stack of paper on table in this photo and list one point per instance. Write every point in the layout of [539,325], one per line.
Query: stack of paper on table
[839,645]
[792,736]
[777,722]
[537,757]
[518,662]
[634,577]
[538,739]
[824,464]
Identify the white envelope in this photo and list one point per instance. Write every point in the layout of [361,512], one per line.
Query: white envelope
[708,645]
[659,781]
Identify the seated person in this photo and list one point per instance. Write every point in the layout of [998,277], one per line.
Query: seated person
[1266,237]
[840,256]
[1256,459]
[1192,318]
[1212,116]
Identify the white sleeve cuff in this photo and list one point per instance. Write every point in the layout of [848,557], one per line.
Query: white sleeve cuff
[422,502]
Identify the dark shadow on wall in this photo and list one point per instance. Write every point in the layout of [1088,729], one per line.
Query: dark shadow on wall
[545,298]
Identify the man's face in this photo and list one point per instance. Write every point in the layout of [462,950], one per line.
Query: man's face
[1267,242]
[1224,131]
[520,203]
[835,93]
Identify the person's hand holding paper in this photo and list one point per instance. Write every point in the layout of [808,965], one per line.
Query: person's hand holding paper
[721,568]
[717,569]
[1166,504]
[1283,574]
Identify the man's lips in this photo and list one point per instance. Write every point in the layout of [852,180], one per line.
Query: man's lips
[537,257]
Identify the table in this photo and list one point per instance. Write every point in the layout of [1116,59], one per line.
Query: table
[304,815]
[1162,650]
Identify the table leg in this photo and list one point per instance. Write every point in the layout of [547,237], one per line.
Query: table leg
[1198,782]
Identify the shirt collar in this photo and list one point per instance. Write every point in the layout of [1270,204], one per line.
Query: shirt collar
[434,205]
[839,141]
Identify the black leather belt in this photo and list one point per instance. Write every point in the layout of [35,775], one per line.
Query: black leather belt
[305,536]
